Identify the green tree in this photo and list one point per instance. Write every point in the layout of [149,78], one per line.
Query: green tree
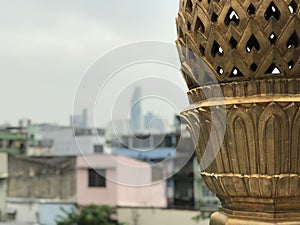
[91,215]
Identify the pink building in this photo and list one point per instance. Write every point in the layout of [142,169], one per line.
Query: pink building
[127,183]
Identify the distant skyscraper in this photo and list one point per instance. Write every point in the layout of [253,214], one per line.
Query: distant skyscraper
[81,120]
[24,123]
[154,123]
[136,111]
[147,119]
[85,118]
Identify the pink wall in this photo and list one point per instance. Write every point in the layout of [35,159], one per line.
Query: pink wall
[139,192]
[90,195]
[150,196]
[125,171]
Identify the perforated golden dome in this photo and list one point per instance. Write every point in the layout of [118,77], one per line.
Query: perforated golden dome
[240,39]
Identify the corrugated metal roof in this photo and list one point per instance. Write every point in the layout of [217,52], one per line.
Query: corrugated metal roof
[12,136]
[11,150]
[158,153]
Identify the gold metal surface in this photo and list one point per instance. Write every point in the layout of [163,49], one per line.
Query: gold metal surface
[240,39]
[253,49]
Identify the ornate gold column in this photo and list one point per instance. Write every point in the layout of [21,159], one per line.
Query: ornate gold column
[252,49]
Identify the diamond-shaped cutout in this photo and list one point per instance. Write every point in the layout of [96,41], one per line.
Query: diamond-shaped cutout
[291,64]
[199,25]
[251,9]
[216,49]
[293,7]
[272,38]
[236,73]
[253,67]
[220,70]
[232,16]
[214,17]
[188,25]
[272,10]
[293,41]
[233,43]
[202,49]
[189,5]
[252,43]
[273,69]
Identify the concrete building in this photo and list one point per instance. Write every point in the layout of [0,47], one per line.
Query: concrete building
[156,148]
[115,190]
[27,183]
[12,140]
[31,211]
[31,186]
[79,120]
[42,178]
[3,182]
[145,147]
[54,140]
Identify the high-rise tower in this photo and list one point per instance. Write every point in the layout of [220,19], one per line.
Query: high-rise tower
[136,111]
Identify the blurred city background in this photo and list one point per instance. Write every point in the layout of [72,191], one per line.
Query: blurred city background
[55,163]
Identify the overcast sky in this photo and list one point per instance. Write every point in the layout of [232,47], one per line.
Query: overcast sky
[46,46]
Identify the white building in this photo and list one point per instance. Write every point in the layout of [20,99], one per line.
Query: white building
[45,139]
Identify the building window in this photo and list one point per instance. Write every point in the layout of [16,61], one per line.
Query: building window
[97,178]
[98,149]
